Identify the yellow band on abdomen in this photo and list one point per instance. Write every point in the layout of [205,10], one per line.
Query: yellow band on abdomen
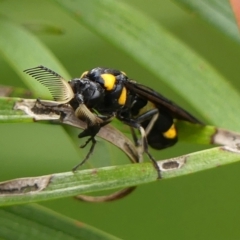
[171,132]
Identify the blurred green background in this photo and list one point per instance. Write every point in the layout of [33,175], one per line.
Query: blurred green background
[200,206]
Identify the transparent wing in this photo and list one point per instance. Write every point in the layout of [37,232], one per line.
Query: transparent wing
[60,90]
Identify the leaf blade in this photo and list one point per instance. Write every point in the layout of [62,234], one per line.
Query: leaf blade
[151,45]
[37,222]
[86,181]
[217,13]
[23,50]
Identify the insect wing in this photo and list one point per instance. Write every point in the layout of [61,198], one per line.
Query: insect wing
[158,99]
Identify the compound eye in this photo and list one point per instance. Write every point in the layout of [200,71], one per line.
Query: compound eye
[84,74]
[109,81]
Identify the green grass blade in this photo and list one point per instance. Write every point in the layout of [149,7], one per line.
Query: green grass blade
[44,28]
[217,13]
[35,222]
[8,115]
[60,185]
[23,50]
[188,132]
[7,91]
[169,59]
[194,133]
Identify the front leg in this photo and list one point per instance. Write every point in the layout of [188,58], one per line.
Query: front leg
[94,124]
[88,154]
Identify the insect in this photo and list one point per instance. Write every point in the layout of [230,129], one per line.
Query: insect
[101,94]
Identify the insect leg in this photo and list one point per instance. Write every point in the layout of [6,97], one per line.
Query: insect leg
[89,152]
[153,115]
[144,146]
[93,126]
[134,136]
[86,143]
[145,149]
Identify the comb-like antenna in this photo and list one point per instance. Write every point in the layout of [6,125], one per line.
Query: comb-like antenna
[60,90]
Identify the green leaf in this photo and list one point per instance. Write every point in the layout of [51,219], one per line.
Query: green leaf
[44,28]
[7,114]
[7,91]
[33,189]
[23,50]
[155,48]
[217,13]
[35,222]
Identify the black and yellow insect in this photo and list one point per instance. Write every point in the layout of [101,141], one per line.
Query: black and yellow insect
[102,93]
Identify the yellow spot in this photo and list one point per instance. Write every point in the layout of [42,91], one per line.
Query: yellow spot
[84,74]
[109,81]
[123,96]
[149,106]
[171,132]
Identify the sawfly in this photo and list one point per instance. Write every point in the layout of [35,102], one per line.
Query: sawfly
[102,94]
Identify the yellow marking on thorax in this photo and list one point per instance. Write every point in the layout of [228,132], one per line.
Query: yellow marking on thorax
[109,81]
[123,97]
[171,132]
